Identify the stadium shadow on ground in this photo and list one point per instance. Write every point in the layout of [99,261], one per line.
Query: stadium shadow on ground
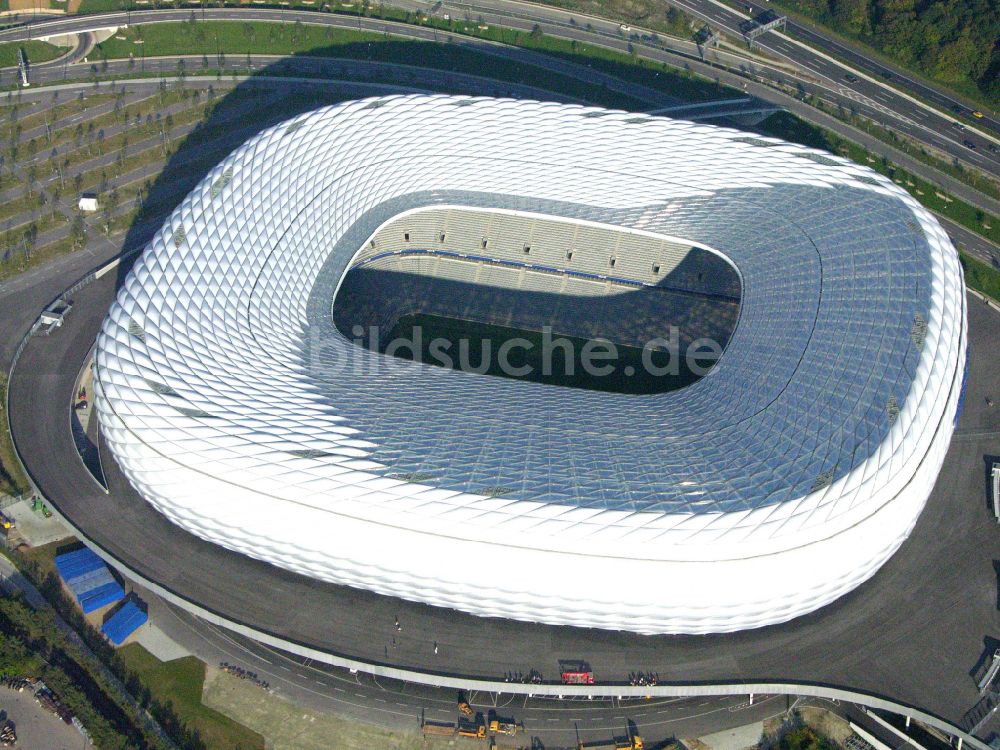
[212,140]
[628,319]
[218,135]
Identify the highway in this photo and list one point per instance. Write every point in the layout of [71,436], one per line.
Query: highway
[610,37]
[900,78]
[821,75]
[886,87]
[874,640]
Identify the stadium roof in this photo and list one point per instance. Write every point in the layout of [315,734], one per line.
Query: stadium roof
[238,409]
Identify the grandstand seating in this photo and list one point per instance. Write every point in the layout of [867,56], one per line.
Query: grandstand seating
[535,272]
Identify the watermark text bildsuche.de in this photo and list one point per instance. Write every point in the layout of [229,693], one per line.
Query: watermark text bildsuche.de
[595,357]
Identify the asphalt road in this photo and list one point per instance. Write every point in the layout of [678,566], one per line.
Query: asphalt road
[603,32]
[401,705]
[900,78]
[821,76]
[878,84]
[914,633]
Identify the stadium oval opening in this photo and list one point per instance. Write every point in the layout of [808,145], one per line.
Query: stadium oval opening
[540,299]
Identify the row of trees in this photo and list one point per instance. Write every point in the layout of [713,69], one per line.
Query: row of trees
[952,41]
[124,731]
[31,645]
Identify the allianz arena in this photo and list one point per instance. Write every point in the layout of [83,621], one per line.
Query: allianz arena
[773,485]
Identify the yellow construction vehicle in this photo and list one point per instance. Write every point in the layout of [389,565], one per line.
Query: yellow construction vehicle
[629,743]
[466,709]
[6,523]
[499,725]
[476,730]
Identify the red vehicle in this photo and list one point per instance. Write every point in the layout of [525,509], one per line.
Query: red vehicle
[578,678]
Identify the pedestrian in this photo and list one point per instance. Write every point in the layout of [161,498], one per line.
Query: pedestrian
[435,647]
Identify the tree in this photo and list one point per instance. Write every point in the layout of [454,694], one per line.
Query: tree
[78,231]
[850,15]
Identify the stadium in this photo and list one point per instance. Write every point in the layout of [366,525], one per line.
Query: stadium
[236,392]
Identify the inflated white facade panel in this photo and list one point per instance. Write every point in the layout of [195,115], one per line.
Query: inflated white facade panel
[775,484]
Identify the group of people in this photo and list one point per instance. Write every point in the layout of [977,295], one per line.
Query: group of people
[643,678]
[243,674]
[533,677]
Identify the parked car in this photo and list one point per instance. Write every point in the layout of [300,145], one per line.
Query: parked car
[969,144]
[851,77]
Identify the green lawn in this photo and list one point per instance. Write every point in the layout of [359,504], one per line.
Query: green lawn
[102,6]
[36,52]
[981,277]
[209,38]
[12,478]
[229,37]
[179,683]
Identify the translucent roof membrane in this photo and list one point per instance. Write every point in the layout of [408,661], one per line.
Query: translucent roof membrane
[777,482]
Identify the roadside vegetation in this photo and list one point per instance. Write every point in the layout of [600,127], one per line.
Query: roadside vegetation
[985,183]
[804,738]
[178,684]
[981,277]
[213,39]
[118,151]
[951,42]
[32,646]
[167,690]
[789,127]
[35,51]
[978,275]
[12,479]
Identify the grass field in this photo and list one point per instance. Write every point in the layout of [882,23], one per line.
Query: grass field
[233,37]
[981,277]
[288,726]
[179,683]
[470,345]
[35,51]
[12,478]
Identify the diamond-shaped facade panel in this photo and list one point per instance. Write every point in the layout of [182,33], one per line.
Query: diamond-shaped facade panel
[773,485]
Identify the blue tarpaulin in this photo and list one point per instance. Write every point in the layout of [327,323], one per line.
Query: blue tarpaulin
[89,579]
[123,623]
